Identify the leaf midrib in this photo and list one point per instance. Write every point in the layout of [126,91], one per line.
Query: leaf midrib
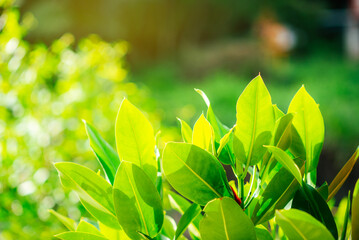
[224,220]
[138,203]
[199,177]
[293,225]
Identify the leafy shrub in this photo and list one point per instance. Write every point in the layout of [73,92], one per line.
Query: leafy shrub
[278,152]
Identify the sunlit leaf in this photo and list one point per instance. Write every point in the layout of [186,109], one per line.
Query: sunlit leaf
[68,222]
[137,202]
[346,218]
[309,125]
[203,135]
[79,236]
[88,228]
[186,131]
[135,139]
[95,192]
[255,122]
[262,233]
[191,170]
[113,234]
[225,219]
[286,162]
[277,112]
[105,154]
[297,224]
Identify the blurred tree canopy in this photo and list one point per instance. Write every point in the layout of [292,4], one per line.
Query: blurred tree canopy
[44,94]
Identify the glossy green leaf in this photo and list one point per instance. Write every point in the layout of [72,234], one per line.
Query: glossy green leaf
[224,141]
[225,219]
[188,216]
[105,154]
[88,228]
[68,222]
[135,139]
[113,234]
[286,162]
[309,125]
[94,191]
[137,202]
[203,135]
[255,122]
[343,174]
[191,170]
[262,233]
[186,131]
[297,224]
[277,194]
[309,200]
[79,236]
[355,212]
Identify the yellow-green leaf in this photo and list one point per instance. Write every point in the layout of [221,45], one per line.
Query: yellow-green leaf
[309,125]
[79,236]
[286,162]
[225,219]
[186,131]
[255,122]
[135,139]
[68,222]
[203,135]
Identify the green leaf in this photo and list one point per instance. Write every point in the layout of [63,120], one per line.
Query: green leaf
[94,191]
[191,170]
[135,139]
[309,125]
[277,112]
[79,236]
[68,222]
[137,202]
[323,190]
[309,200]
[262,233]
[277,194]
[190,214]
[225,219]
[113,234]
[88,228]
[186,131]
[343,174]
[255,122]
[286,162]
[219,129]
[346,219]
[105,154]
[203,135]
[282,136]
[297,224]
[355,212]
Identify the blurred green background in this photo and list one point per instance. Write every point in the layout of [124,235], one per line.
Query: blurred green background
[63,61]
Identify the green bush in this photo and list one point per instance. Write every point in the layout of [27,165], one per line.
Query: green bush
[137,186]
[44,91]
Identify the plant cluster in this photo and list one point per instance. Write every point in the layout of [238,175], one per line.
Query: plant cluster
[274,158]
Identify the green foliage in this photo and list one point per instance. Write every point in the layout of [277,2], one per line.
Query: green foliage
[44,93]
[135,203]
